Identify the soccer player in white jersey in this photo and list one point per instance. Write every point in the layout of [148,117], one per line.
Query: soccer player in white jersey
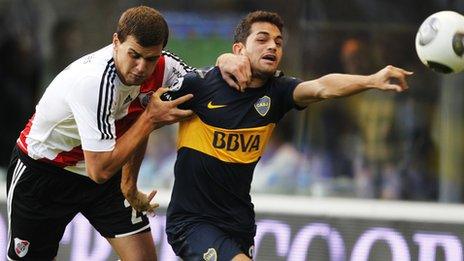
[89,129]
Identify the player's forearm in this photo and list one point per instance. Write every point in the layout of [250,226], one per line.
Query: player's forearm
[331,86]
[103,165]
[130,171]
[341,85]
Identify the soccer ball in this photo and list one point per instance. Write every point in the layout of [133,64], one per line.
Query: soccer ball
[440,42]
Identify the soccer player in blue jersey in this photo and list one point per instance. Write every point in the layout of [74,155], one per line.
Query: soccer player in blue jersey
[211,216]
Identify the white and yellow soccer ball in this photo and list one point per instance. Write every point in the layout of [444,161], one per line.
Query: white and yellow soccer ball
[440,42]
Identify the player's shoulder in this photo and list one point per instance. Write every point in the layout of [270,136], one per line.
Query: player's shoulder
[281,79]
[202,74]
[192,80]
[170,56]
[173,60]
[95,64]
[281,76]
[90,71]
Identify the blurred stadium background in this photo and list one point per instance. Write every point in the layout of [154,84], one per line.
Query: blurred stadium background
[372,177]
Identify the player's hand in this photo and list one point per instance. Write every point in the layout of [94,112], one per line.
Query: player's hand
[166,112]
[142,202]
[235,70]
[391,78]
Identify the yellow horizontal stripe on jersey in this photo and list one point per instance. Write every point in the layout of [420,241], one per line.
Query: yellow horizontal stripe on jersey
[235,146]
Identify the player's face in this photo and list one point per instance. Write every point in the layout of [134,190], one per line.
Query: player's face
[264,48]
[134,63]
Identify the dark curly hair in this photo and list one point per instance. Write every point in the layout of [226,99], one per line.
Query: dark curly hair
[242,31]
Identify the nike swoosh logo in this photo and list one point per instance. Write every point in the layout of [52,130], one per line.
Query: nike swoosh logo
[212,106]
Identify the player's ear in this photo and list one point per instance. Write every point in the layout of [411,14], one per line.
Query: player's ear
[238,48]
[115,39]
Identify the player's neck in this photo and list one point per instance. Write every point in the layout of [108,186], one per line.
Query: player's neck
[257,81]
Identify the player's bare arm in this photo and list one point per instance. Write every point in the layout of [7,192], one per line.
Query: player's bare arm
[336,85]
[235,70]
[138,200]
[101,166]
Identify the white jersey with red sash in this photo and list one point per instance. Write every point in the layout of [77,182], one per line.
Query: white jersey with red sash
[87,107]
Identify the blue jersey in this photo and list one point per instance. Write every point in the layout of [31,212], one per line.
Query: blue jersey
[218,150]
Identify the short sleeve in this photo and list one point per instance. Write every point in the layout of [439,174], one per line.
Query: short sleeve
[92,104]
[285,88]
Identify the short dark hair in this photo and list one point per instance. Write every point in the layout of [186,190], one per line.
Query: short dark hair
[145,24]
[242,31]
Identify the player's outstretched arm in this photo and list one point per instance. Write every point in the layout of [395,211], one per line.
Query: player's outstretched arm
[235,70]
[101,166]
[336,85]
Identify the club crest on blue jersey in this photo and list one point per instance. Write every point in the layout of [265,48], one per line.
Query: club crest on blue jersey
[262,105]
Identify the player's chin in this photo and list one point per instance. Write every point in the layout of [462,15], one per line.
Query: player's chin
[268,71]
[135,80]
[269,68]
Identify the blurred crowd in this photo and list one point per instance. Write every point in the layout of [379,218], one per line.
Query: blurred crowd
[373,145]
